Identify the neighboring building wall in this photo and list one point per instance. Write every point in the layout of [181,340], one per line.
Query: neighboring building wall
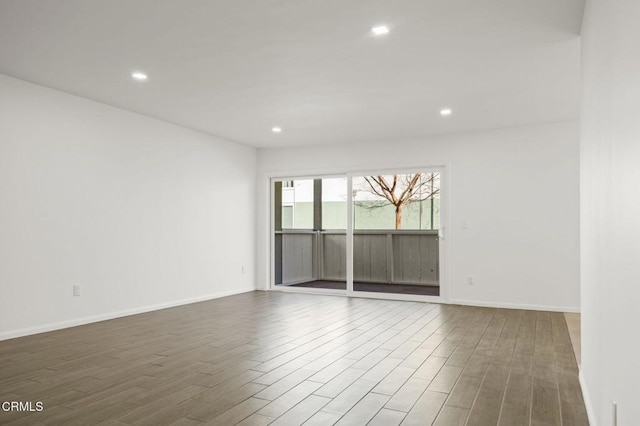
[334,216]
[610,211]
[139,213]
[520,255]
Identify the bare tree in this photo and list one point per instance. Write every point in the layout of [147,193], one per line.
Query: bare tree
[402,190]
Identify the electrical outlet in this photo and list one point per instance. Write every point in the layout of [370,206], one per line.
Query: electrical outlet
[76,290]
[243,269]
[471,280]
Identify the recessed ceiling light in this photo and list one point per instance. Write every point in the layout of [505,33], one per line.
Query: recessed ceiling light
[380,30]
[445,112]
[276,129]
[139,75]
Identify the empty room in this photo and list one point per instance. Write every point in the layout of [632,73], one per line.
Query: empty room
[281,212]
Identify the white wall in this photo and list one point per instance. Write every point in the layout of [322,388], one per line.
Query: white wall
[516,188]
[610,211]
[138,212]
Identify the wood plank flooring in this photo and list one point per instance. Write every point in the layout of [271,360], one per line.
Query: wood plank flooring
[573,324]
[276,358]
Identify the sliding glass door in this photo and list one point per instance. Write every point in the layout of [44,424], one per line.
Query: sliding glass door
[396,222]
[367,234]
[310,217]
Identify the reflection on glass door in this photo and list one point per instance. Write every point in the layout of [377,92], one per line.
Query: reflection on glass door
[310,233]
[396,218]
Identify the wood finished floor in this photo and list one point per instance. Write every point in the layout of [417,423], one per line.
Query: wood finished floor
[287,359]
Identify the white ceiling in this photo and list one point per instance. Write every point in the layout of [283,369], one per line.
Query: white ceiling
[236,68]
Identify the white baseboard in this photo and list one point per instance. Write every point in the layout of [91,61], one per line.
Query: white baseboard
[111,315]
[587,399]
[528,307]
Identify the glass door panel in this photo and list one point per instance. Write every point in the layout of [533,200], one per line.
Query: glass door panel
[310,233]
[396,218]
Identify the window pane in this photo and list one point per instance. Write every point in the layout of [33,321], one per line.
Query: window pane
[334,203]
[297,204]
[403,201]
